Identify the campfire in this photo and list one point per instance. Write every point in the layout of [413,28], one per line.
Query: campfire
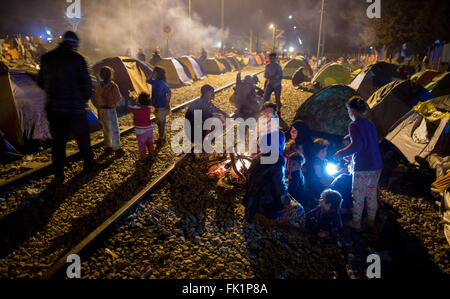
[231,171]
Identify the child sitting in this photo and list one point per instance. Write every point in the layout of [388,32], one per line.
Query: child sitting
[316,177]
[296,180]
[325,220]
[143,125]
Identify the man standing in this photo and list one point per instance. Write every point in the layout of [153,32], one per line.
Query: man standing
[141,55]
[65,78]
[274,76]
[206,107]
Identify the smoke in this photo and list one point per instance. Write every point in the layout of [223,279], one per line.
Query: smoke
[112,26]
[346,25]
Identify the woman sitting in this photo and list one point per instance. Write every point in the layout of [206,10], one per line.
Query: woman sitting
[300,140]
[266,200]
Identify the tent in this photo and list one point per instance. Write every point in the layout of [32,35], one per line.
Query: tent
[389,103]
[233,60]
[423,130]
[294,64]
[355,73]
[332,73]
[258,59]
[373,77]
[213,66]
[195,70]
[22,109]
[263,57]
[251,59]
[22,112]
[424,77]
[440,85]
[229,67]
[243,60]
[326,110]
[176,74]
[129,74]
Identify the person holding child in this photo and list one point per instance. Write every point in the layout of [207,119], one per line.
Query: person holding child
[142,124]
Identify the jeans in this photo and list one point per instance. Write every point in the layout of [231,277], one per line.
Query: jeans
[161,115]
[270,90]
[62,127]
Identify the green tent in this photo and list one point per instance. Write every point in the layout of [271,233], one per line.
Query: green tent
[326,110]
[440,85]
[294,64]
[213,66]
[333,73]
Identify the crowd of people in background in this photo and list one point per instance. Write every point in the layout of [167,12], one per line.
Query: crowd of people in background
[295,190]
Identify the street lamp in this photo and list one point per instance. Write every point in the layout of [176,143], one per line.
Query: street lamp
[290,17]
[274,28]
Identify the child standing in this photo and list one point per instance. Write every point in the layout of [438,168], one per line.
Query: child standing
[108,95]
[366,160]
[143,125]
[161,95]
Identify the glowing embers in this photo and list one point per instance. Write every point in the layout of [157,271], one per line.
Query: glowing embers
[231,171]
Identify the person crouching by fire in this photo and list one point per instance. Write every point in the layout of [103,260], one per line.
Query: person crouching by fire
[207,109]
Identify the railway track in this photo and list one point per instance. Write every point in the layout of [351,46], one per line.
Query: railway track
[46,167]
[80,208]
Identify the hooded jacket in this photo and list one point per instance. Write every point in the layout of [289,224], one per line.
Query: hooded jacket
[65,78]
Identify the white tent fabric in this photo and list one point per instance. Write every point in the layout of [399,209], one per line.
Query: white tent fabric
[411,137]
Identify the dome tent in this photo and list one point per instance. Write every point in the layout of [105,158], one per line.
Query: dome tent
[332,73]
[195,70]
[326,110]
[423,130]
[294,64]
[213,66]
[373,77]
[424,77]
[129,74]
[440,85]
[389,103]
[177,75]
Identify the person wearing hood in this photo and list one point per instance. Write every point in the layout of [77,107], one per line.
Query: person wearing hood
[267,199]
[65,78]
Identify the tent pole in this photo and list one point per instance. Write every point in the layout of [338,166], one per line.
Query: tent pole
[223,26]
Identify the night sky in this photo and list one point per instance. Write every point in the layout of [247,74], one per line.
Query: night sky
[31,16]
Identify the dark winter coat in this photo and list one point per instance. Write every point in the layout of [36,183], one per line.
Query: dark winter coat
[266,188]
[65,78]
